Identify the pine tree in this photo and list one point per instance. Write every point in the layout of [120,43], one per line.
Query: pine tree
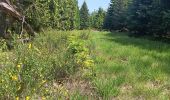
[140,16]
[116,15]
[84,17]
[100,18]
[76,15]
[92,19]
[166,16]
[97,19]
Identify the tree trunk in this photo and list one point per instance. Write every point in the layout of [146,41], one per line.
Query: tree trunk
[2,23]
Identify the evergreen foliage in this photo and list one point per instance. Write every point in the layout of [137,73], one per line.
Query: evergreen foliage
[116,15]
[97,19]
[140,17]
[149,17]
[64,14]
[84,17]
[57,14]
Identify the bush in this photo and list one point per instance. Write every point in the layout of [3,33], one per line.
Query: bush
[31,70]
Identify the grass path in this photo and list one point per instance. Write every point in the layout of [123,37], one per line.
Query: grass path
[131,68]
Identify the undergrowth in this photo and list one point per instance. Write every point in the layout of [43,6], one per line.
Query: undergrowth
[36,70]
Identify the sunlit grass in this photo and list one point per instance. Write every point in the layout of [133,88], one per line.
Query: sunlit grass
[125,67]
[141,67]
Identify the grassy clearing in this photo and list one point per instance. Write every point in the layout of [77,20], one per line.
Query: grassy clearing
[131,68]
[61,65]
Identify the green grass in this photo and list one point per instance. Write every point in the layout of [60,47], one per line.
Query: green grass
[126,68]
[131,68]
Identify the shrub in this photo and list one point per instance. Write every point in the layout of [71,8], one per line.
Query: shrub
[32,69]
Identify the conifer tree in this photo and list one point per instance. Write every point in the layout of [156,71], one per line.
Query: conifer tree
[97,19]
[116,15]
[140,17]
[93,19]
[64,14]
[100,18]
[84,17]
[76,15]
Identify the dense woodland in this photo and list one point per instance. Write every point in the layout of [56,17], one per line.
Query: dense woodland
[139,17]
[61,15]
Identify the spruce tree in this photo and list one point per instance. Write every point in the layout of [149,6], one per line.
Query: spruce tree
[166,16]
[100,18]
[116,15]
[97,19]
[84,16]
[93,19]
[140,17]
[149,17]
[76,15]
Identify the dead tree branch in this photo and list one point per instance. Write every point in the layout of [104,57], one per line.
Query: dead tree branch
[7,8]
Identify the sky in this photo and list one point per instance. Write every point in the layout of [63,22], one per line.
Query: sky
[95,4]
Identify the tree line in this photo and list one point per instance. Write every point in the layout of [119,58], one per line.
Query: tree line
[40,14]
[139,17]
[56,14]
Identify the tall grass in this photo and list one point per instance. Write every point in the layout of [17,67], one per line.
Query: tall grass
[131,68]
[85,65]
[36,70]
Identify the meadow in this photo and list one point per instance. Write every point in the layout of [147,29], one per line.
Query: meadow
[85,65]
[131,68]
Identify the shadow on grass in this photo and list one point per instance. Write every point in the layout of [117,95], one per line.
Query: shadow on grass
[142,43]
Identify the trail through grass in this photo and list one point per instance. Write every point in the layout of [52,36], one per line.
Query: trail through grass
[131,68]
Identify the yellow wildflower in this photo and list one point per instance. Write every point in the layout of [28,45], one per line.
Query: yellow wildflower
[89,63]
[44,81]
[19,66]
[30,46]
[27,98]
[10,74]
[14,78]
[17,98]
[46,90]
[43,98]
